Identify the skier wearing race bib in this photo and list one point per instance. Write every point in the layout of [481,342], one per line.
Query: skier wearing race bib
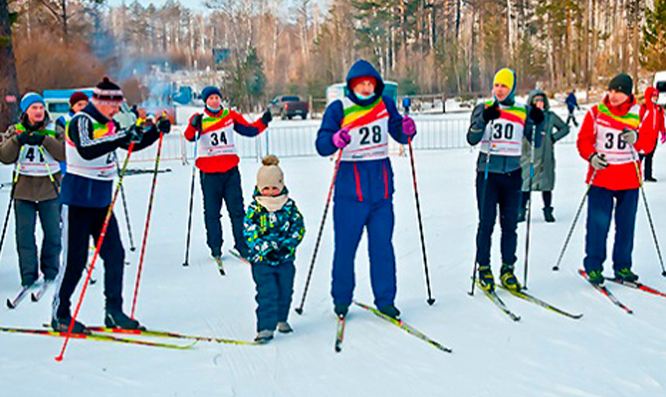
[92,138]
[499,125]
[77,101]
[36,148]
[359,125]
[218,162]
[609,140]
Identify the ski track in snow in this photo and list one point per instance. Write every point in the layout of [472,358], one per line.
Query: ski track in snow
[605,353]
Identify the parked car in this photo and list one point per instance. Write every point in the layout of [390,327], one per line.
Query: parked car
[288,106]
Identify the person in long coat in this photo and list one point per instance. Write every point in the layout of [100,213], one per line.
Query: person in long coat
[551,129]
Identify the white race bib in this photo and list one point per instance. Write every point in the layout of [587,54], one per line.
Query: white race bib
[217,142]
[369,141]
[101,168]
[609,143]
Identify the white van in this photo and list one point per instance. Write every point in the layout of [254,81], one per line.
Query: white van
[660,85]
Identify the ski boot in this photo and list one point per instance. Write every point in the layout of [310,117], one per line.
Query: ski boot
[220,265]
[485,279]
[508,279]
[284,327]
[61,324]
[118,319]
[264,336]
[341,310]
[595,277]
[522,215]
[626,275]
[391,311]
[548,214]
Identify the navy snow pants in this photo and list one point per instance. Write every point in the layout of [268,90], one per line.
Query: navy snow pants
[275,288]
[350,217]
[503,190]
[217,187]
[600,202]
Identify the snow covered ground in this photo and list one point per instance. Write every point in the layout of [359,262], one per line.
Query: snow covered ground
[606,353]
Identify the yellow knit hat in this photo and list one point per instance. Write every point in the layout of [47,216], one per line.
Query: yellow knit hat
[504,76]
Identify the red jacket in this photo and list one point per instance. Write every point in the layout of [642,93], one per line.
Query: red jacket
[652,115]
[615,176]
[224,163]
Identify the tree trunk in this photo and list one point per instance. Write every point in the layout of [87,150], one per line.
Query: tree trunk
[8,80]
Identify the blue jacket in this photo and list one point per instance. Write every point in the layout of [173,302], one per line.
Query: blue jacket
[360,180]
[571,101]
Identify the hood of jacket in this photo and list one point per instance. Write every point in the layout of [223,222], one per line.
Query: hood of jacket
[363,68]
[534,93]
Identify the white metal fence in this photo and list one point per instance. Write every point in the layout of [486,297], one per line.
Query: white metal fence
[435,132]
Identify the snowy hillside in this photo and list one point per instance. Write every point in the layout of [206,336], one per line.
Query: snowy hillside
[606,353]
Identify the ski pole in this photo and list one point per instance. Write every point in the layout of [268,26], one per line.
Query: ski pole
[145,228]
[189,217]
[48,169]
[11,200]
[483,196]
[573,224]
[529,206]
[299,309]
[406,103]
[100,241]
[647,210]
[126,210]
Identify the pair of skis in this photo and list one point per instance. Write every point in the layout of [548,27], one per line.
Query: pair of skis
[339,335]
[631,284]
[104,334]
[492,295]
[35,296]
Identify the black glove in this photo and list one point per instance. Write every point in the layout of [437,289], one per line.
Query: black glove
[23,137]
[266,117]
[197,122]
[536,115]
[491,113]
[134,135]
[36,139]
[164,125]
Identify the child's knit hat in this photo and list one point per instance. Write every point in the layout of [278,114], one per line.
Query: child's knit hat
[270,173]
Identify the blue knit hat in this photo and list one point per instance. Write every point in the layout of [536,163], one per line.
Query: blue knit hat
[208,91]
[29,99]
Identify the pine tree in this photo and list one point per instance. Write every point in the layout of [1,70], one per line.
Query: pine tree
[653,45]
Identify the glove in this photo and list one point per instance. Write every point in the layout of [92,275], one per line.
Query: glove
[408,126]
[134,135]
[598,161]
[197,122]
[491,113]
[663,138]
[164,125]
[629,136]
[341,138]
[36,139]
[23,137]
[536,115]
[267,117]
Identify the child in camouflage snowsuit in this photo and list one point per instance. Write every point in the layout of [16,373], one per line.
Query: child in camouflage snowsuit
[273,229]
